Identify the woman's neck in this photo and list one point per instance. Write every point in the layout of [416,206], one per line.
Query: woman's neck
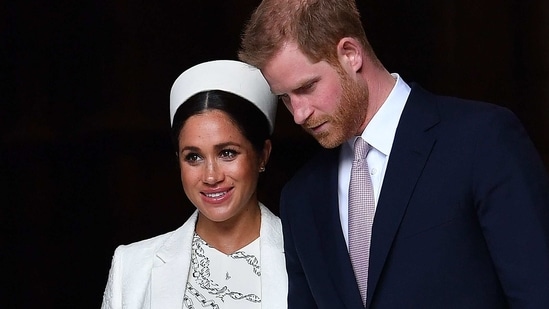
[231,235]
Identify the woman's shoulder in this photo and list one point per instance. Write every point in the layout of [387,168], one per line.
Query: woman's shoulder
[148,247]
[145,247]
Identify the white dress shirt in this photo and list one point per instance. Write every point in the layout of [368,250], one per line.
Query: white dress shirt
[380,134]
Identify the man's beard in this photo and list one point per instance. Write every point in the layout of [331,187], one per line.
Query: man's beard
[348,116]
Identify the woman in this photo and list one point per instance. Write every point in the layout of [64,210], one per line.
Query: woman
[229,253]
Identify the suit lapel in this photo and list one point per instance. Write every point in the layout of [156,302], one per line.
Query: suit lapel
[171,268]
[328,227]
[412,146]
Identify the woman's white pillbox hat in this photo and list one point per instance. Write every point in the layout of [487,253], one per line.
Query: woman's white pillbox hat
[231,76]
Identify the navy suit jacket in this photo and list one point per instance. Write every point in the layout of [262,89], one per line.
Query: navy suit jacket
[462,219]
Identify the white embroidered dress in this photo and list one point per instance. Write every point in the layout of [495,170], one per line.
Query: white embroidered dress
[153,273]
[223,281]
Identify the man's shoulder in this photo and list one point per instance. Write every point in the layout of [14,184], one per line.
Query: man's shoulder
[419,94]
[322,163]
[452,108]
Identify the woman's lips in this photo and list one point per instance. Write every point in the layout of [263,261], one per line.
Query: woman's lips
[216,196]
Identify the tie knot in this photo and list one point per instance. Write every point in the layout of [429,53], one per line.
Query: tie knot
[361,149]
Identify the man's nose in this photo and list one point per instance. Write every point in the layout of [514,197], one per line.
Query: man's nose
[301,110]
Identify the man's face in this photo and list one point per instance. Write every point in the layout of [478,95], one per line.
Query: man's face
[325,101]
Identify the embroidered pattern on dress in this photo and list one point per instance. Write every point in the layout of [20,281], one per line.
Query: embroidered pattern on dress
[200,268]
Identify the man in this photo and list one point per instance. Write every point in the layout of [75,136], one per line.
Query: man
[461,197]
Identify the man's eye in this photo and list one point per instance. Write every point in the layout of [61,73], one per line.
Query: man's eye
[285,99]
[305,88]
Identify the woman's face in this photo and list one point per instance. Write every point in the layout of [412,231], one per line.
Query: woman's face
[219,167]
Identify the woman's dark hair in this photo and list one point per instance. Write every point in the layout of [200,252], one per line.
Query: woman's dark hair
[251,122]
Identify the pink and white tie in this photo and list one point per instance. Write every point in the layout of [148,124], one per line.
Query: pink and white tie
[361,215]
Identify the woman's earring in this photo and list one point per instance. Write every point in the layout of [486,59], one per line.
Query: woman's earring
[261,169]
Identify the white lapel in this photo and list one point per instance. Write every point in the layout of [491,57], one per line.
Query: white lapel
[171,267]
[172,261]
[274,280]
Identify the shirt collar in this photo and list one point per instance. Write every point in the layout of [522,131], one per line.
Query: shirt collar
[380,132]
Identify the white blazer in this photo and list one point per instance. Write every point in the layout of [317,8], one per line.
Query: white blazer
[153,273]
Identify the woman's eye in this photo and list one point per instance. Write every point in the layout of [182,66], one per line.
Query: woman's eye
[192,158]
[228,154]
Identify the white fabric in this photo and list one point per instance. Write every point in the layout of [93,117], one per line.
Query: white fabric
[230,281]
[153,273]
[232,76]
[379,134]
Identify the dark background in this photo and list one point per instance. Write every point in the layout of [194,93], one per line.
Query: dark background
[86,162]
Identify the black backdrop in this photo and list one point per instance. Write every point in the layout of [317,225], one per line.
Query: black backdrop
[86,161]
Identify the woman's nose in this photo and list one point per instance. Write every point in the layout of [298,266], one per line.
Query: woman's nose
[212,173]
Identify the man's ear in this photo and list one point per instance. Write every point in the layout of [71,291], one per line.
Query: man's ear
[350,54]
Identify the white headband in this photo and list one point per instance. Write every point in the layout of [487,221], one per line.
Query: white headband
[228,75]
